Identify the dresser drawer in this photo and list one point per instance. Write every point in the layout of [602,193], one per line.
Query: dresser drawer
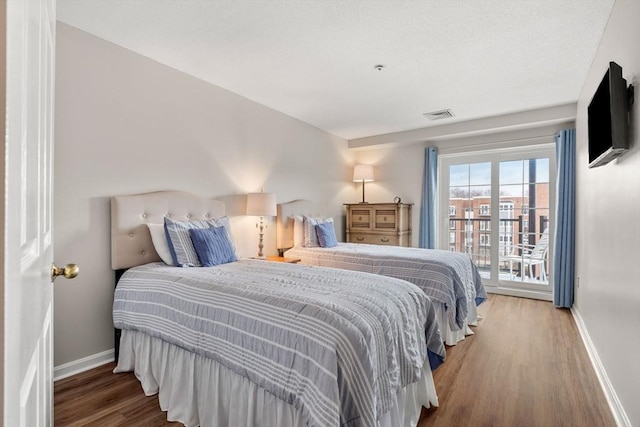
[373,239]
[360,219]
[385,219]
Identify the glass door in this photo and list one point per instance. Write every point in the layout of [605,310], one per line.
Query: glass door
[524,221]
[468,202]
[497,207]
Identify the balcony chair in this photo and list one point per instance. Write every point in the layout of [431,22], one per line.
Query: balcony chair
[530,256]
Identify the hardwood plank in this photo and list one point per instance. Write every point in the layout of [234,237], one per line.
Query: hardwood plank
[101,398]
[525,366]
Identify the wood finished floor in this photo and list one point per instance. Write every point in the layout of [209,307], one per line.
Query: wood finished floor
[525,366]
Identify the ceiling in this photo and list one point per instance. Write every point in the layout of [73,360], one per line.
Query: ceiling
[315,60]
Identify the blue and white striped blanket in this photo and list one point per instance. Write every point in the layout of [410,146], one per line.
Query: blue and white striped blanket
[447,277]
[335,344]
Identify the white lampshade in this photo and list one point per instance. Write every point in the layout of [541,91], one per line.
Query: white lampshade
[363,173]
[261,204]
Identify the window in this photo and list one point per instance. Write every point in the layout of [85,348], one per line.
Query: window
[452,237]
[506,210]
[452,225]
[485,225]
[452,210]
[485,239]
[484,210]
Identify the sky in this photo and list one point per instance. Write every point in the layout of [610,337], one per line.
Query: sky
[514,176]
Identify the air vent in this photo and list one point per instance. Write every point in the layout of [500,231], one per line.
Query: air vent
[437,115]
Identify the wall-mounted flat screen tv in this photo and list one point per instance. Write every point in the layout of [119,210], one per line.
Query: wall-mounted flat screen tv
[608,118]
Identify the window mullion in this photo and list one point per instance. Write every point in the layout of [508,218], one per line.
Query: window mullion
[495,221]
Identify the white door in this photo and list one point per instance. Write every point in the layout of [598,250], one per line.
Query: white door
[28,293]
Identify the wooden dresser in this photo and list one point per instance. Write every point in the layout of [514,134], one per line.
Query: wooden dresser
[379,223]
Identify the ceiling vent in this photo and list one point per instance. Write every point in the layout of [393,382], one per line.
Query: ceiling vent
[437,115]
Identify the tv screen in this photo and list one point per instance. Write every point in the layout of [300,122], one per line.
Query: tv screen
[607,118]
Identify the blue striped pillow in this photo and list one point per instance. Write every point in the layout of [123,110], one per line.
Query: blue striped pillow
[180,245]
[309,230]
[212,246]
[326,235]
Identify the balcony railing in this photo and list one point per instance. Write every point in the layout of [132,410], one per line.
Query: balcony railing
[473,236]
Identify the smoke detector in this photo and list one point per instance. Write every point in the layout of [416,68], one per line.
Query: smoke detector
[437,115]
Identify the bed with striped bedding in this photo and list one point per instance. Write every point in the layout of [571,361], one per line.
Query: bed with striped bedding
[336,345]
[447,277]
[450,279]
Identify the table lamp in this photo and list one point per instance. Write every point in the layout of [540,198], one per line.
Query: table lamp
[261,204]
[363,173]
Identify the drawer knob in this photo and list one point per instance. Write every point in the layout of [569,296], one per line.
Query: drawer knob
[384,240]
[385,219]
[359,239]
[359,218]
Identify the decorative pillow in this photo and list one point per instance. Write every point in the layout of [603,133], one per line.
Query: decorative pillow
[182,251]
[159,239]
[309,230]
[326,235]
[298,231]
[212,246]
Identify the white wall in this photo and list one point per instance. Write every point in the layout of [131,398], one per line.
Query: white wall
[126,124]
[608,228]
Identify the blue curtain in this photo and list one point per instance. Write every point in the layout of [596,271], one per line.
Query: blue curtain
[428,207]
[564,236]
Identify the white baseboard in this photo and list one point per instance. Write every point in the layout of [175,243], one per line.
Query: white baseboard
[81,365]
[609,392]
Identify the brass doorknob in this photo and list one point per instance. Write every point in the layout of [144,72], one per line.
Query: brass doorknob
[69,271]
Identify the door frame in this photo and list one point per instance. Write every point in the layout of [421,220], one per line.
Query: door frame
[3,111]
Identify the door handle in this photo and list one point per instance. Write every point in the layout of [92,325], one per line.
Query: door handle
[69,271]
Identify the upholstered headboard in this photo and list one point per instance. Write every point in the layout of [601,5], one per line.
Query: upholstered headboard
[284,221]
[130,238]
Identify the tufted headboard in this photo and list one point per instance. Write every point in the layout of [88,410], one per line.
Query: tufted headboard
[130,238]
[284,220]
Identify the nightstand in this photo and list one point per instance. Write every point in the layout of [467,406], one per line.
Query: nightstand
[283,259]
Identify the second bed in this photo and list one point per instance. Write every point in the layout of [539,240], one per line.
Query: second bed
[450,279]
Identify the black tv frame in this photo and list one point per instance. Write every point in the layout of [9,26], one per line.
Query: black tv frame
[614,91]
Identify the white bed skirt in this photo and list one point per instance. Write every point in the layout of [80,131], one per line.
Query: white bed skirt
[448,335]
[198,391]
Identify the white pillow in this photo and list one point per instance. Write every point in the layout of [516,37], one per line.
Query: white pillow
[159,239]
[298,231]
[309,230]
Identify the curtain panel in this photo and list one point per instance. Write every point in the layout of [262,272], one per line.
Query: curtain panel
[427,238]
[564,236]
